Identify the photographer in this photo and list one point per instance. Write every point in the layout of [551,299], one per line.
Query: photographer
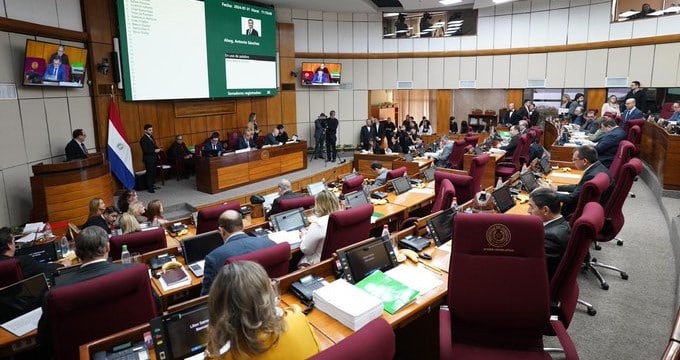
[331,137]
[425,24]
[319,135]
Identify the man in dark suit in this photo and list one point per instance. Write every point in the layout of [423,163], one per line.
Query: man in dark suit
[285,192]
[283,135]
[584,158]
[76,149]
[609,144]
[508,117]
[631,112]
[236,242]
[522,113]
[212,146]
[149,156]
[365,135]
[331,137]
[246,141]
[514,141]
[271,138]
[179,152]
[442,160]
[544,203]
[29,266]
[105,221]
[92,248]
[637,93]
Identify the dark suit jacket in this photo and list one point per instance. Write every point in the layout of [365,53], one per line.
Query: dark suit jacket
[570,200]
[512,145]
[148,149]
[74,151]
[207,146]
[520,114]
[276,204]
[253,32]
[97,221]
[178,151]
[630,115]
[242,144]
[557,234]
[283,137]
[508,117]
[238,244]
[270,140]
[364,137]
[609,144]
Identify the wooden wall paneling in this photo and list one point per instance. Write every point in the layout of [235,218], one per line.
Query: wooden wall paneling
[274,110]
[515,96]
[99,18]
[243,109]
[286,40]
[100,82]
[595,98]
[444,110]
[286,65]
[186,108]
[259,106]
[288,111]
[230,121]
[199,124]
[215,122]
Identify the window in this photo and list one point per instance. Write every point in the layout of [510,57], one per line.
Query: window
[626,10]
[430,24]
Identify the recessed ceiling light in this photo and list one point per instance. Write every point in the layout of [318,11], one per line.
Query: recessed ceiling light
[392,14]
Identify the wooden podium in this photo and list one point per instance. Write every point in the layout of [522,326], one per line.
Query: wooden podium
[61,192]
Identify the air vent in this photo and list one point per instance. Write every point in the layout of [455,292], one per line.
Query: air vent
[467,84]
[612,82]
[404,84]
[8,91]
[538,83]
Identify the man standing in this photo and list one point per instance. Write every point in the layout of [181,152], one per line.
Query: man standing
[365,135]
[149,156]
[584,158]
[76,149]
[319,135]
[637,93]
[331,137]
[285,192]
[508,118]
[631,112]
[544,203]
[609,144]
[236,242]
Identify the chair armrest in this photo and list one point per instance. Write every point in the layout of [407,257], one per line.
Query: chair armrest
[445,343]
[461,180]
[505,163]
[565,340]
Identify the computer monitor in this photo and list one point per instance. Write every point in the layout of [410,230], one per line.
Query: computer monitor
[356,198]
[441,226]
[360,260]
[401,185]
[429,174]
[545,165]
[44,252]
[503,198]
[22,297]
[181,334]
[350,176]
[196,248]
[529,181]
[269,200]
[316,188]
[289,220]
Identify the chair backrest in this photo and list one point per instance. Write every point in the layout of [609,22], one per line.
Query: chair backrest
[396,173]
[274,259]
[444,195]
[306,202]
[522,147]
[634,122]
[207,217]
[457,155]
[98,307]
[486,248]
[375,341]
[233,139]
[563,285]
[10,272]
[592,190]
[472,140]
[625,152]
[635,137]
[346,228]
[477,168]
[538,131]
[138,242]
[353,184]
[613,209]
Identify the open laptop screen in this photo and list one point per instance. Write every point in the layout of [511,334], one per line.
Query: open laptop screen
[429,174]
[198,247]
[290,220]
[401,185]
[183,333]
[316,188]
[503,198]
[356,198]
[22,297]
[441,226]
[361,260]
[529,181]
[545,165]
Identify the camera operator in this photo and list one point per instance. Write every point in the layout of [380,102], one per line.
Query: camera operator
[331,137]
[319,135]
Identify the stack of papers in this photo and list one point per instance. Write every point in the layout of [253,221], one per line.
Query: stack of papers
[347,304]
[291,237]
[394,294]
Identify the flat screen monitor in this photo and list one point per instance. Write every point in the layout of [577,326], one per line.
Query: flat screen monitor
[320,74]
[429,174]
[529,181]
[52,64]
[441,226]
[545,165]
[360,260]
[401,185]
[196,248]
[43,252]
[289,220]
[356,198]
[316,188]
[22,297]
[181,334]
[503,198]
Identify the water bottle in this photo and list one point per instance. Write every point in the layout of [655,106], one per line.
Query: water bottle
[125,255]
[64,245]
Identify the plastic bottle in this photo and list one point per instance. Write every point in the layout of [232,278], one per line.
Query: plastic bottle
[499,183]
[385,231]
[125,255]
[64,245]
[386,234]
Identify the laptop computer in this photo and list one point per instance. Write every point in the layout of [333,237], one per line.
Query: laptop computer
[181,334]
[315,188]
[503,198]
[289,220]
[21,304]
[429,174]
[196,248]
[43,252]
[401,185]
[545,165]
[408,157]
[529,181]
[440,227]
[362,259]
[356,198]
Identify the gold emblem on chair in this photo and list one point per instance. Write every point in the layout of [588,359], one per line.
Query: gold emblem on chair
[498,235]
[264,155]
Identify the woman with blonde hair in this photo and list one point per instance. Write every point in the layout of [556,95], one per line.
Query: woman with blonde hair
[97,207]
[154,213]
[245,321]
[137,210]
[312,241]
[611,107]
[128,223]
[566,100]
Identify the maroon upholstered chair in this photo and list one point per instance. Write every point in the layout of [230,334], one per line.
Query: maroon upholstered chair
[306,202]
[539,133]
[274,259]
[635,122]
[494,257]
[375,341]
[613,212]
[624,153]
[444,195]
[233,139]
[346,227]
[138,242]
[635,137]
[354,184]
[509,166]
[97,308]
[472,140]
[395,173]
[592,190]
[457,155]
[10,272]
[207,217]
[466,185]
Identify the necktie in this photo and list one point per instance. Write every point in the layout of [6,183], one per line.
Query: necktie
[627,113]
[214,147]
[84,148]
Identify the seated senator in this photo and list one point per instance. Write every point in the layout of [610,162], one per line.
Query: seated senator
[272,137]
[380,173]
[154,213]
[544,203]
[246,141]
[213,146]
[55,71]
[584,158]
[125,199]
[76,149]
[244,313]
[137,210]
[29,266]
[178,151]
[312,242]
[96,207]
[285,190]
[236,242]
[128,224]
[283,135]
[106,220]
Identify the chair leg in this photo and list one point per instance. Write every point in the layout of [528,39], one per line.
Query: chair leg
[589,307]
[619,241]
[624,275]
[588,266]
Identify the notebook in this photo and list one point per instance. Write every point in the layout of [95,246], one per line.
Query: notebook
[441,226]
[429,174]
[181,334]
[316,188]
[529,181]
[21,304]
[196,248]
[289,220]
[401,185]
[362,259]
[356,198]
[503,199]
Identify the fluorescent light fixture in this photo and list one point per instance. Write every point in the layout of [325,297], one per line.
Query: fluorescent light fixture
[449,2]
[628,13]
[455,22]
[401,31]
[392,14]
[656,13]
[388,35]
[439,23]
[674,8]
[501,1]
[429,30]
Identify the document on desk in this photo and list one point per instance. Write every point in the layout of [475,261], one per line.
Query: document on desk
[347,304]
[185,282]
[417,278]
[375,217]
[33,227]
[291,237]
[417,190]
[393,293]
[23,324]
[564,175]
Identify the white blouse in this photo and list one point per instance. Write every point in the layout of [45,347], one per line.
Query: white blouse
[312,242]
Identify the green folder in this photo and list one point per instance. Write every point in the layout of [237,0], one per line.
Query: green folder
[392,293]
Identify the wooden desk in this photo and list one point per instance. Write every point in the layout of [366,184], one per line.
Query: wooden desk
[362,162]
[215,174]
[661,151]
[477,121]
[489,177]
[414,167]
[562,153]
[413,199]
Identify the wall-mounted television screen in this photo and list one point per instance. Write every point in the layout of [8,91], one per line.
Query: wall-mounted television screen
[321,74]
[50,64]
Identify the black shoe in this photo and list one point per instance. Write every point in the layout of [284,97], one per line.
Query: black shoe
[156,187]
[152,191]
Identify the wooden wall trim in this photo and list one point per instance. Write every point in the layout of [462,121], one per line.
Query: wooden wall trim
[25,27]
[202,108]
[653,40]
